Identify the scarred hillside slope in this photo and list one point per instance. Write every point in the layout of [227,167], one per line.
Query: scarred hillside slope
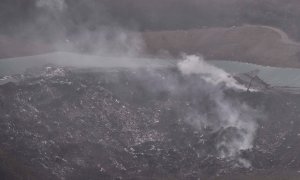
[125,124]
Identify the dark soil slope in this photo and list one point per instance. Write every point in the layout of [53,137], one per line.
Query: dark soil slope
[126,124]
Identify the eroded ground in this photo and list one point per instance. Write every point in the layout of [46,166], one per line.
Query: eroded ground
[124,124]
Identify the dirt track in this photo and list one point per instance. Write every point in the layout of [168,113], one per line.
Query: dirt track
[255,44]
[284,37]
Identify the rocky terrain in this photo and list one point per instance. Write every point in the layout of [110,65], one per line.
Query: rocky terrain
[62,123]
[158,121]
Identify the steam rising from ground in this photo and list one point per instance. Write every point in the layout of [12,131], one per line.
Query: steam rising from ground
[211,74]
[235,122]
[108,41]
[64,33]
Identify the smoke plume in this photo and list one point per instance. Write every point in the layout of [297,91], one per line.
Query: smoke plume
[234,121]
[91,30]
[211,74]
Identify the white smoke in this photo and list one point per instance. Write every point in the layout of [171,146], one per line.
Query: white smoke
[238,118]
[91,37]
[196,65]
[51,4]
[107,41]
[235,121]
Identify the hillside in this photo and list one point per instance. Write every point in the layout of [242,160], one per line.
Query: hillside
[192,26]
[254,44]
[57,123]
[261,45]
[149,15]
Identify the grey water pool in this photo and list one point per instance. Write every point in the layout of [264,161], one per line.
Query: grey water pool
[274,76]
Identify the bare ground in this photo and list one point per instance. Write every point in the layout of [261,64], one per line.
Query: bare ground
[254,44]
[262,45]
[13,47]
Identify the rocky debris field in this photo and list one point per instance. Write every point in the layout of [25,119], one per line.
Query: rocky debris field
[61,123]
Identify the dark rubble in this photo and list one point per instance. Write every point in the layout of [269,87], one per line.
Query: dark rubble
[63,123]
